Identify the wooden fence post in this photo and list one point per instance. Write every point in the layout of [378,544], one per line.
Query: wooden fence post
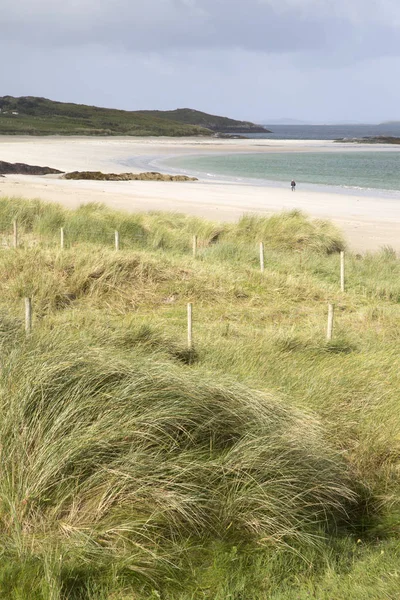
[62,237]
[342,287]
[262,257]
[194,246]
[28,315]
[117,240]
[190,325]
[331,312]
[15,225]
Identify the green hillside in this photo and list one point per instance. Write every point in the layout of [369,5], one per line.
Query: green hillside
[215,123]
[262,463]
[39,116]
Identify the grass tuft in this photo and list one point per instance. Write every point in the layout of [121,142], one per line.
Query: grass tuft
[133,467]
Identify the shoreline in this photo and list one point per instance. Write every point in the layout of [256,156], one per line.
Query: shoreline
[159,163]
[368,221]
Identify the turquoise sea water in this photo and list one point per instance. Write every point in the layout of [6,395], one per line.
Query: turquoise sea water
[358,170]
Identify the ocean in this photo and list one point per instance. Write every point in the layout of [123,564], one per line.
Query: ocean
[327,132]
[358,171]
[354,170]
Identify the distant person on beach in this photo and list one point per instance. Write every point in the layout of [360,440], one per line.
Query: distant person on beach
[293,185]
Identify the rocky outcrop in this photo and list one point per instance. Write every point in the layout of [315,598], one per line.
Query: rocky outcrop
[230,136]
[378,139]
[152,176]
[7,168]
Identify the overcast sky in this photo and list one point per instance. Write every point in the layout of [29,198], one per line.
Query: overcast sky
[319,60]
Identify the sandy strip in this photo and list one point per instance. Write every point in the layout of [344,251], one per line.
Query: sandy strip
[368,222]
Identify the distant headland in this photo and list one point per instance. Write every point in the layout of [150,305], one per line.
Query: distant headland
[29,115]
[376,139]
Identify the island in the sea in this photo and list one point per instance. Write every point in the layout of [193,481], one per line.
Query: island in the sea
[29,115]
[376,139]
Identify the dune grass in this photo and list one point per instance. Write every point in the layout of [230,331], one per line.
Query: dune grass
[264,464]
[111,461]
[95,223]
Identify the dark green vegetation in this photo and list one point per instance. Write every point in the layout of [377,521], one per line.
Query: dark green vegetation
[149,176]
[133,468]
[213,122]
[39,116]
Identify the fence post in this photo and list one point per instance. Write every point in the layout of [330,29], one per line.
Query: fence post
[15,225]
[62,238]
[331,312]
[28,315]
[190,325]
[194,246]
[262,257]
[342,271]
[116,240]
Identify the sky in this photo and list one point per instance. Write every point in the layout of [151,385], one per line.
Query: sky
[312,60]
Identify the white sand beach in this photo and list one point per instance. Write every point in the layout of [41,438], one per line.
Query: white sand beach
[368,222]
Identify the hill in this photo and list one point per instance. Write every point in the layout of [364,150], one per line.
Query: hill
[217,124]
[40,116]
[261,464]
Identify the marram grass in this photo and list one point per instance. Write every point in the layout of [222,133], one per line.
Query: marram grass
[133,468]
[95,223]
[116,462]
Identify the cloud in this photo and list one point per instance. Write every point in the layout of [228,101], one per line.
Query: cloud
[236,83]
[335,28]
[356,12]
[308,59]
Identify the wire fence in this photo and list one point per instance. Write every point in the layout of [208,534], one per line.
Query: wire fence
[14,242]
